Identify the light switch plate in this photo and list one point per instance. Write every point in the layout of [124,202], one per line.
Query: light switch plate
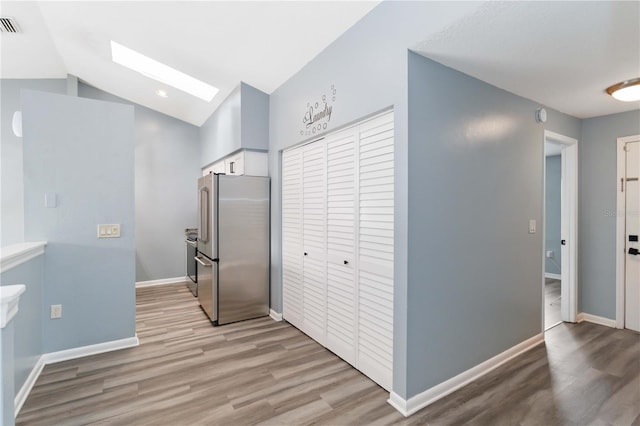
[109,230]
[50,200]
[532,226]
[56,311]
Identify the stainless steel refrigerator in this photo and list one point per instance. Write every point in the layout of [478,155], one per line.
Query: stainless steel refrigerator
[233,247]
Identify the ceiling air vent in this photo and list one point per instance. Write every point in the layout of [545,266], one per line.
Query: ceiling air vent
[8,25]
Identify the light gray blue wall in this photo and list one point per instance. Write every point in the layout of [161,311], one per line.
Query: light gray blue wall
[552,204]
[167,166]
[254,123]
[563,124]
[83,151]
[241,122]
[220,134]
[597,219]
[12,187]
[475,181]
[29,320]
[368,68]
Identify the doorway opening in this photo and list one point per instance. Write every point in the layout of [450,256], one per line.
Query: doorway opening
[560,230]
[627,230]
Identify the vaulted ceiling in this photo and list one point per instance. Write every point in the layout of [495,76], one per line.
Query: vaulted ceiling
[218,42]
[561,54]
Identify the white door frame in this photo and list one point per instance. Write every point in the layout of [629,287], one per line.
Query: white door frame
[569,226]
[620,228]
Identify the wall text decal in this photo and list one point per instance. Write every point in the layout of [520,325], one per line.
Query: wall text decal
[318,114]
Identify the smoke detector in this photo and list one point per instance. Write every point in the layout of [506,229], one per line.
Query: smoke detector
[8,25]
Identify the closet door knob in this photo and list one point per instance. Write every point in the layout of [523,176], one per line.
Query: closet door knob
[346,262]
[305,253]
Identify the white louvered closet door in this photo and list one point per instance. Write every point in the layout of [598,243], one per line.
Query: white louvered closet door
[314,238]
[337,225]
[292,294]
[375,247]
[341,233]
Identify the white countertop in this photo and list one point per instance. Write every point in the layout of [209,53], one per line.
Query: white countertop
[16,254]
[9,298]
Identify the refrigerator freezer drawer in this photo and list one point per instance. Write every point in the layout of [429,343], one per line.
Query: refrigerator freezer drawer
[207,282]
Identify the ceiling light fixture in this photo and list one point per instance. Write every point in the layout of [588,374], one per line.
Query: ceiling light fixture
[162,93]
[158,71]
[627,91]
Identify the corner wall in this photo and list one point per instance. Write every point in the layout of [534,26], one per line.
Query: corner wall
[367,68]
[11,170]
[220,134]
[475,181]
[167,167]
[82,150]
[254,110]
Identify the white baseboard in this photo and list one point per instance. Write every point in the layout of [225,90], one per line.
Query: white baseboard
[82,351]
[275,315]
[553,276]
[24,391]
[53,357]
[163,281]
[582,316]
[417,402]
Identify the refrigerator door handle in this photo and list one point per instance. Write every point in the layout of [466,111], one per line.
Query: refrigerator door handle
[203,230]
[199,260]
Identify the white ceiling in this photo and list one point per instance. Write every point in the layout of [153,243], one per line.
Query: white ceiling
[561,54]
[220,43]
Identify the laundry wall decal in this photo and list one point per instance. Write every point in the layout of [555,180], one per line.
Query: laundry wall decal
[317,114]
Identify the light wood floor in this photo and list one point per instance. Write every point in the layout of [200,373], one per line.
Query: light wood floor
[552,298]
[186,372]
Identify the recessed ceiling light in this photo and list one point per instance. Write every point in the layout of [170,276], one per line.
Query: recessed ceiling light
[627,91]
[162,93]
[158,71]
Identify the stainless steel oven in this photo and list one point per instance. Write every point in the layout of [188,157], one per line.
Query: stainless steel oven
[192,269]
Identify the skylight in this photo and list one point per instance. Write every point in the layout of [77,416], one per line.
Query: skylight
[158,71]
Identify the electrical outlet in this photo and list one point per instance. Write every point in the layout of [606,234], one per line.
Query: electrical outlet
[56,311]
[550,254]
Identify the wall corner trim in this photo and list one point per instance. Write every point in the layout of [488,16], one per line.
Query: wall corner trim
[276,316]
[163,281]
[582,316]
[399,403]
[53,357]
[431,395]
[24,391]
